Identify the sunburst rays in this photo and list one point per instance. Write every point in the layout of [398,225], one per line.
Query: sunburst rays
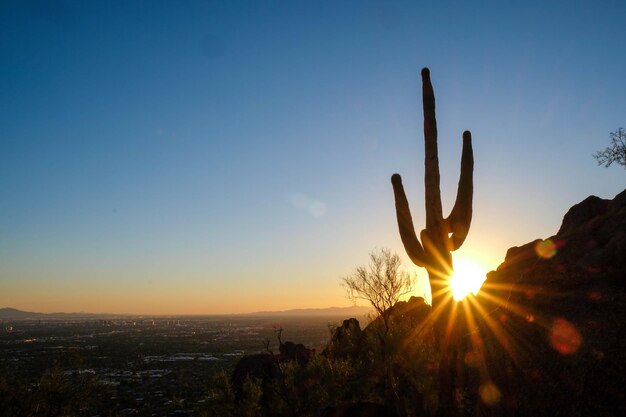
[496,328]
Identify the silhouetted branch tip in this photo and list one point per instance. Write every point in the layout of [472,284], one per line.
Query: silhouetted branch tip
[614,153]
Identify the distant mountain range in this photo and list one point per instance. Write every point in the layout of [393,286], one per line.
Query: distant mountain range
[8,313]
[12,313]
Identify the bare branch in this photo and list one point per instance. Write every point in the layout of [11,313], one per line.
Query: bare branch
[381,283]
[614,153]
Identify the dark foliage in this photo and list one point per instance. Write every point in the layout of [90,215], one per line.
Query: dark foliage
[56,393]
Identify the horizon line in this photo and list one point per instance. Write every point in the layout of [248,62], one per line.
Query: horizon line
[259,312]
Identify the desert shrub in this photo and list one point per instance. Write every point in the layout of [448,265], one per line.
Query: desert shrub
[55,393]
[222,401]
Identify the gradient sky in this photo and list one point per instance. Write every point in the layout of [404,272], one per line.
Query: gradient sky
[215,157]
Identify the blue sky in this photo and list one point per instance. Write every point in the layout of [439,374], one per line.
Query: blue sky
[199,157]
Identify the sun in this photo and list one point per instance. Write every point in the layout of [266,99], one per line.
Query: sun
[467,278]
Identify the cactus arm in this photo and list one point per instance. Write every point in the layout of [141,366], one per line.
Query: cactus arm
[461,216]
[405,224]
[434,215]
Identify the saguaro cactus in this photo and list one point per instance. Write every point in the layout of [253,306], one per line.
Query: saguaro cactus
[442,235]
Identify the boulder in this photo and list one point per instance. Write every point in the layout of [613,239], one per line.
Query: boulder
[347,341]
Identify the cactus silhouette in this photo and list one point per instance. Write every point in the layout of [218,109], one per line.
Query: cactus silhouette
[442,235]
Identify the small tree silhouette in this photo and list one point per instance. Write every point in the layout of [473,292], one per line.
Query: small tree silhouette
[614,153]
[381,283]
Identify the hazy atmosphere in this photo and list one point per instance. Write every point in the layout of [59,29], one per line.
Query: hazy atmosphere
[225,157]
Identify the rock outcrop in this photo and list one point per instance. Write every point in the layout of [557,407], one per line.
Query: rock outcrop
[579,271]
[265,367]
[347,341]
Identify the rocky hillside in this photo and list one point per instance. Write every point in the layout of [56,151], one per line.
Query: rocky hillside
[588,252]
[556,310]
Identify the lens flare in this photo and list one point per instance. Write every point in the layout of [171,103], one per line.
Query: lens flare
[467,278]
[565,337]
[546,249]
[489,393]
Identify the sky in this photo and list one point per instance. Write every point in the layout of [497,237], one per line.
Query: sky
[162,157]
